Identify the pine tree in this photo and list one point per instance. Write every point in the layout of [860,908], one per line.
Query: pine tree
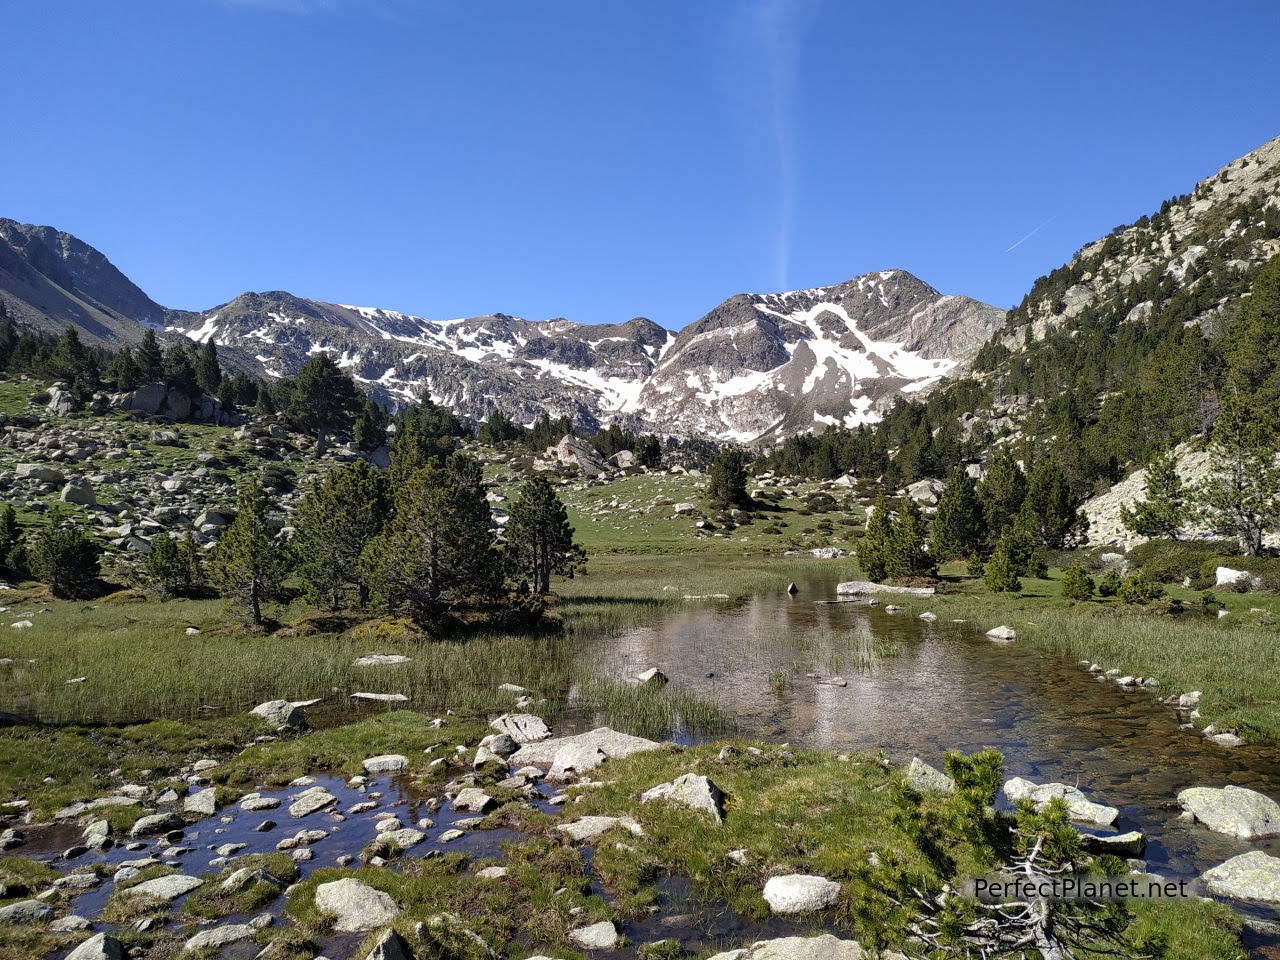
[370,428]
[180,369]
[1002,491]
[727,480]
[1164,510]
[1241,497]
[123,371]
[540,538]
[1000,575]
[438,550]
[173,568]
[960,525]
[873,549]
[1253,343]
[325,399]
[65,559]
[11,543]
[907,556]
[149,359]
[72,363]
[334,523]
[1060,524]
[249,565]
[650,453]
[208,373]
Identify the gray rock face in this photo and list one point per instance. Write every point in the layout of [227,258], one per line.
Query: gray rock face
[608,743]
[390,946]
[156,823]
[800,893]
[26,911]
[1236,811]
[280,714]
[100,946]
[522,727]
[824,947]
[576,452]
[165,888]
[204,803]
[690,790]
[356,907]
[79,491]
[598,936]
[1250,876]
[217,937]
[1079,807]
[928,779]
[387,763]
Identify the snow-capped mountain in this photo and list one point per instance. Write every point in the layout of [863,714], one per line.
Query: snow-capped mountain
[769,365]
[755,367]
[590,373]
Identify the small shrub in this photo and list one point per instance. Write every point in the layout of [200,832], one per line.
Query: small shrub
[1000,575]
[65,559]
[1109,584]
[1172,561]
[1138,589]
[1077,584]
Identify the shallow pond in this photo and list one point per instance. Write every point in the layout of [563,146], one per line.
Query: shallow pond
[917,688]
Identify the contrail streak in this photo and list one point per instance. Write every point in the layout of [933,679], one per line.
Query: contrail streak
[1017,243]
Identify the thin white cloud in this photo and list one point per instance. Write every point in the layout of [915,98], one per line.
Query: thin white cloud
[1019,242]
[779,27]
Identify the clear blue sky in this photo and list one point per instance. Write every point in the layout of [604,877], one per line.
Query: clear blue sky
[604,159]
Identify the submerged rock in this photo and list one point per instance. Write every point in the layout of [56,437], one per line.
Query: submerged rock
[356,907]
[800,893]
[1235,811]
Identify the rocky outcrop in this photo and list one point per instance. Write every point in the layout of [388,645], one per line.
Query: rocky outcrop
[355,906]
[1250,876]
[690,790]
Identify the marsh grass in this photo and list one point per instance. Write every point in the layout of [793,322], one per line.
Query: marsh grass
[648,711]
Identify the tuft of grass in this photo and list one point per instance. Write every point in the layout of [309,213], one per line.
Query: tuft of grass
[648,711]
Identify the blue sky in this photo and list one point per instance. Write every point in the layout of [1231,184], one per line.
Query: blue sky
[603,159]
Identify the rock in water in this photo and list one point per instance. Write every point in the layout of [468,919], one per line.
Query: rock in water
[1003,634]
[387,763]
[1079,807]
[598,936]
[100,946]
[1232,810]
[216,937]
[165,888]
[356,907]
[204,803]
[1250,876]
[653,677]
[608,742]
[799,893]
[690,790]
[824,947]
[26,911]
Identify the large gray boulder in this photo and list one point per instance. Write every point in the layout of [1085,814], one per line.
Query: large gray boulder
[597,936]
[928,779]
[522,727]
[79,491]
[280,714]
[217,937]
[1236,811]
[608,743]
[38,471]
[148,399]
[26,911]
[203,804]
[164,888]
[1079,807]
[824,947]
[100,946]
[355,906]
[1251,876]
[690,790]
[156,823]
[800,893]
[588,828]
